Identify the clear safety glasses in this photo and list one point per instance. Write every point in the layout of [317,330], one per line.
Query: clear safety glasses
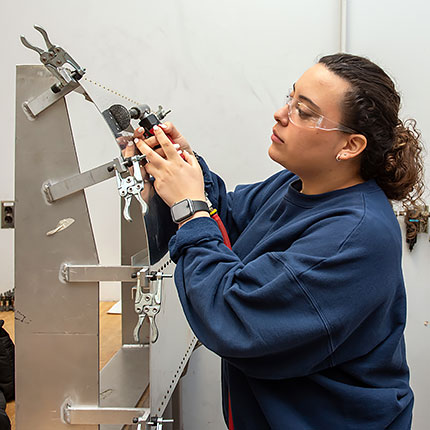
[303,116]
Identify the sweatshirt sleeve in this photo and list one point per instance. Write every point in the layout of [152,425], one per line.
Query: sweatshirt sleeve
[235,208]
[288,313]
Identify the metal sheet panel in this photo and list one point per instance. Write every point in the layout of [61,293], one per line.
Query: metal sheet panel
[56,323]
[169,355]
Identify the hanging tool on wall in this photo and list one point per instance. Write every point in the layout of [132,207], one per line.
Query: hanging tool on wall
[416,221]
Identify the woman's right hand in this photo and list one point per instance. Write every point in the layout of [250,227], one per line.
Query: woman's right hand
[171,132]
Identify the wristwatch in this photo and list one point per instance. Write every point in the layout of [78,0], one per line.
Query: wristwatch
[185,209]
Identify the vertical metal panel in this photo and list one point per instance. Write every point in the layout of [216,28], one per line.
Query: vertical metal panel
[56,324]
[169,355]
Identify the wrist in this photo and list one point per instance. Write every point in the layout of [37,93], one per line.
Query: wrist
[199,214]
[187,208]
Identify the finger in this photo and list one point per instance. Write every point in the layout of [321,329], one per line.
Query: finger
[166,144]
[139,132]
[170,129]
[151,141]
[129,150]
[151,156]
[157,149]
[122,142]
[190,159]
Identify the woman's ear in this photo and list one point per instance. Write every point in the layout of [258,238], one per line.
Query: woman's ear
[353,146]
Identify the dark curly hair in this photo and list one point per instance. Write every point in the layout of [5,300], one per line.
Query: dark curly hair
[393,153]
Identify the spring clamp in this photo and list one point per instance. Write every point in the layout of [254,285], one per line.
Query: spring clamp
[148,304]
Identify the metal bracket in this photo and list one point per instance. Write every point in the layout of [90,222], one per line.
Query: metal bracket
[95,273]
[84,180]
[93,415]
[35,106]
[158,422]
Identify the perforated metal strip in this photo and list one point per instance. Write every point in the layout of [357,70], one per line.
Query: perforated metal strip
[104,87]
[184,360]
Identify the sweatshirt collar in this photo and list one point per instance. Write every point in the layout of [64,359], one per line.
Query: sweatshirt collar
[309,200]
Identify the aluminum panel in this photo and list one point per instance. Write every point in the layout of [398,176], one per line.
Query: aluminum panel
[56,324]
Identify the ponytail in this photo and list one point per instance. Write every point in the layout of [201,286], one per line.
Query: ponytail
[401,176]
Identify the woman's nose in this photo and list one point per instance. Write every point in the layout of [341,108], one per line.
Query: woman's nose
[281,116]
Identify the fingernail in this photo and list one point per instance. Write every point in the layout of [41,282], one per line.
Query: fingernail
[163,125]
[131,143]
[140,130]
[176,145]
[156,127]
[136,140]
[179,152]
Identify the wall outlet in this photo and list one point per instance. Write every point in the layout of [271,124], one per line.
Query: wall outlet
[7,214]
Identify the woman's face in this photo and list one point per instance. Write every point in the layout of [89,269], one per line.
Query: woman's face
[306,151]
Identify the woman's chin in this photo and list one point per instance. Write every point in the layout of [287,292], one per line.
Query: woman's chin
[277,156]
[274,153]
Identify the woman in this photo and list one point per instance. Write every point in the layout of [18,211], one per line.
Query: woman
[308,308]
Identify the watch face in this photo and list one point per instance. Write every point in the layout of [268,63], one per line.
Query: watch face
[181,211]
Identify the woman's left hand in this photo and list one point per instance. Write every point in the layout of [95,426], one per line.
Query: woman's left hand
[176,178]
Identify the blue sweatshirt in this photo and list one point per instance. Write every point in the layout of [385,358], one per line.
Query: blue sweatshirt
[307,310]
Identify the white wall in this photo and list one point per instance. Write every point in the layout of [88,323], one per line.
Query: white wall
[223,67]
[396,35]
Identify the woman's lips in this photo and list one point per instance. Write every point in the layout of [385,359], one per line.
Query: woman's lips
[275,138]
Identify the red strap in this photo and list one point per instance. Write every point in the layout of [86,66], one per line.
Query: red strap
[226,239]
[230,415]
[222,228]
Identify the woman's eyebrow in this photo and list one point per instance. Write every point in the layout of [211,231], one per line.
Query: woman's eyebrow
[307,99]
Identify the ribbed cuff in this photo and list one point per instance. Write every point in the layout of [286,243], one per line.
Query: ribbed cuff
[193,233]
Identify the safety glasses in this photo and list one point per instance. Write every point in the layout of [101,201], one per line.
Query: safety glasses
[302,115]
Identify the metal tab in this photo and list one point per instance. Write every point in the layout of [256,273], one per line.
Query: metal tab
[96,273]
[35,106]
[88,415]
[81,181]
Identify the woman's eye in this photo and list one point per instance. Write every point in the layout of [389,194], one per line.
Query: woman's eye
[303,114]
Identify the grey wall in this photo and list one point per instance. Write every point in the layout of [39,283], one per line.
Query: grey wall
[223,67]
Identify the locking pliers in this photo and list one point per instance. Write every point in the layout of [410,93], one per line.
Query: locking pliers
[54,58]
[132,185]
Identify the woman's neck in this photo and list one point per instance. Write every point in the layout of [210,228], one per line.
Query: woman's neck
[324,184]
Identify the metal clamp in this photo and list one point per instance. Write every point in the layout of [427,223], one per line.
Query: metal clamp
[131,185]
[153,421]
[54,58]
[148,304]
